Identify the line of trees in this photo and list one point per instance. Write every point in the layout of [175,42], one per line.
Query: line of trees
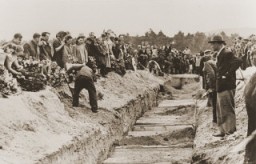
[196,42]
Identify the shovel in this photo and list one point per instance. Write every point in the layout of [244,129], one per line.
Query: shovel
[71,88]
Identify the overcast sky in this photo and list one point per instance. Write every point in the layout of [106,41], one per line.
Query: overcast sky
[123,16]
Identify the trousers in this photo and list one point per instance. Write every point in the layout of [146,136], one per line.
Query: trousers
[83,82]
[213,98]
[226,117]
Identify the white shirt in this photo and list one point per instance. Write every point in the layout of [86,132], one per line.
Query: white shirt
[219,53]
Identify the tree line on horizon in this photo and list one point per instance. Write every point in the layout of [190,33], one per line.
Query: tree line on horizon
[195,42]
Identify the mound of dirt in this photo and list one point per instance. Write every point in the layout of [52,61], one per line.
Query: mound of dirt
[36,124]
[209,149]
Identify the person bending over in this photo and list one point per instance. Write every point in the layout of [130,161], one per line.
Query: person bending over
[83,80]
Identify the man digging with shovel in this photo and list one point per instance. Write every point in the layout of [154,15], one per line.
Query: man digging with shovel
[83,79]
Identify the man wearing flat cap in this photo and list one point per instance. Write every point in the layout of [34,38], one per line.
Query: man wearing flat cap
[227,64]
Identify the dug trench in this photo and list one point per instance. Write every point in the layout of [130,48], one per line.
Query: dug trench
[162,118]
[164,134]
[43,127]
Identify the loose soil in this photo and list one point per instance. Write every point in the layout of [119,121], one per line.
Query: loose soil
[209,149]
[43,127]
[162,135]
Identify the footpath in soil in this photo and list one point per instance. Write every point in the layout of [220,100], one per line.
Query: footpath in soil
[164,134]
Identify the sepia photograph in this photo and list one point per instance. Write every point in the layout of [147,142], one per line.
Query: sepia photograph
[128,82]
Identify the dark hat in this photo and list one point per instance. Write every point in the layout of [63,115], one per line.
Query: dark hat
[89,39]
[217,39]
[45,33]
[17,35]
[36,35]
[103,35]
[116,39]
[61,34]
[67,37]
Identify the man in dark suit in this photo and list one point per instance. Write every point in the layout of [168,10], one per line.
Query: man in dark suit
[58,48]
[227,64]
[45,47]
[31,49]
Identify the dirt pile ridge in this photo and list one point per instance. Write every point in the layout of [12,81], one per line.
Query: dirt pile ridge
[209,149]
[39,125]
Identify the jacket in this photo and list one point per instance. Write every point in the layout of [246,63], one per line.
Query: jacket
[45,51]
[85,71]
[80,53]
[58,55]
[227,64]
[31,49]
[210,74]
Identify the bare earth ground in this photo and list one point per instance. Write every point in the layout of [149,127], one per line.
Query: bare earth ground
[209,149]
[35,124]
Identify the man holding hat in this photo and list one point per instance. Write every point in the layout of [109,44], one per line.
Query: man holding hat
[58,48]
[227,64]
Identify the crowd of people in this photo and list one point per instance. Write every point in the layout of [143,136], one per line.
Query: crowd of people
[84,59]
[106,53]
[244,48]
[42,61]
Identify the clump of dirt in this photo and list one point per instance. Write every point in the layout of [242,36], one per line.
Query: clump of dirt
[164,96]
[188,132]
[178,81]
[201,158]
[182,137]
[180,110]
[187,90]
[143,140]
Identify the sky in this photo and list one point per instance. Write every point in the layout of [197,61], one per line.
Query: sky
[123,16]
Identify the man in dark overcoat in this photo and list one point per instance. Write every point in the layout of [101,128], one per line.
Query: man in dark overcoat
[227,64]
